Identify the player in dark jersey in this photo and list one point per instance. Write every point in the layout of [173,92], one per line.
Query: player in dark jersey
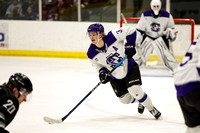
[12,94]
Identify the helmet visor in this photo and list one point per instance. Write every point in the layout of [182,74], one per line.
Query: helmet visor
[24,95]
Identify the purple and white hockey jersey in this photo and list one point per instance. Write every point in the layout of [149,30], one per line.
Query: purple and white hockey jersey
[154,27]
[187,77]
[113,51]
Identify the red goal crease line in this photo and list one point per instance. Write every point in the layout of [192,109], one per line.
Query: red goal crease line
[191,21]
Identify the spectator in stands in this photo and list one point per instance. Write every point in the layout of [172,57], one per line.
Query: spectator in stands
[25,5]
[63,10]
[29,14]
[16,12]
[30,9]
[14,9]
[3,7]
[46,6]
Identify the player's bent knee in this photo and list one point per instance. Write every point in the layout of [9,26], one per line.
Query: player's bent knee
[136,91]
[126,98]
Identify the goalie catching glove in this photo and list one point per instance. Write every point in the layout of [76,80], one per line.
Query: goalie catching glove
[130,49]
[104,75]
[170,34]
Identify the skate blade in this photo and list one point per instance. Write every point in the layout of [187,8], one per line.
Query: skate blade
[160,118]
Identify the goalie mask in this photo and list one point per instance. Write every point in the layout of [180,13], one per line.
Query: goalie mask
[21,82]
[156,6]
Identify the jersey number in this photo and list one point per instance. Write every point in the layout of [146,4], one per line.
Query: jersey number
[9,106]
[119,31]
[187,55]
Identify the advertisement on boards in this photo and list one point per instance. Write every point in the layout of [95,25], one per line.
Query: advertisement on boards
[3,35]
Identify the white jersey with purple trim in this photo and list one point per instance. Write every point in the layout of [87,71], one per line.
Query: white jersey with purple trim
[154,27]
[113,51]
[187,77]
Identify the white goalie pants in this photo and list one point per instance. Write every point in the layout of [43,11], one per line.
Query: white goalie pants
[147,47]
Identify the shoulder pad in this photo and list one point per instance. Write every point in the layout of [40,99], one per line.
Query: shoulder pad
[91,51]
[164,14]
[109,39]
[147,13]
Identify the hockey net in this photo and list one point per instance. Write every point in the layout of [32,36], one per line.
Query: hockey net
[184,38]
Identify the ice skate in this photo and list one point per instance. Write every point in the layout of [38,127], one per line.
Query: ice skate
[140,108]
[155,113]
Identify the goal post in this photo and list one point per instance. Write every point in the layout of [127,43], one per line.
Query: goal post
[185,36]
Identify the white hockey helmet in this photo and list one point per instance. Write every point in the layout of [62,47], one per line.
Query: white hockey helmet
[156,6]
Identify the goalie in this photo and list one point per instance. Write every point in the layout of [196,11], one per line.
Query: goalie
[157,30]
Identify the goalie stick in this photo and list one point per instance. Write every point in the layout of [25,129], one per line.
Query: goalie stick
[52,121]
[137,47]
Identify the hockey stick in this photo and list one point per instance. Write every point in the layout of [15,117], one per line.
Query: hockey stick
[52,121]
[137,47]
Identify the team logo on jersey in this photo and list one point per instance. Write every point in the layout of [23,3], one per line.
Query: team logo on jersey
[155,27]
[113,59]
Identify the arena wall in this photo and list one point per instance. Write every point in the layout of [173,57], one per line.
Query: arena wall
[55,39]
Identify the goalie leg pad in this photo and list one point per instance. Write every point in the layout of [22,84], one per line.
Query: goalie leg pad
[146,47]
[143,51]
[164,54]
[127,98]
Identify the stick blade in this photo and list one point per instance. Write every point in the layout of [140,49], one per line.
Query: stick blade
[51,120]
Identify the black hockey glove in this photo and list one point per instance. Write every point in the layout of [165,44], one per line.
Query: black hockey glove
[2,130]
[104,75]
[130,49]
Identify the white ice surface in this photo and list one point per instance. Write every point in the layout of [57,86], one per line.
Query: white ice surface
[59,84]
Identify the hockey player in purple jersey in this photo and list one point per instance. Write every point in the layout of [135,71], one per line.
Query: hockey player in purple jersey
[108,50]
[187,83]
[157,29]
[13,93]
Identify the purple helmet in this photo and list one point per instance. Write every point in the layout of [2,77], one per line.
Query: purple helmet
[95,28]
